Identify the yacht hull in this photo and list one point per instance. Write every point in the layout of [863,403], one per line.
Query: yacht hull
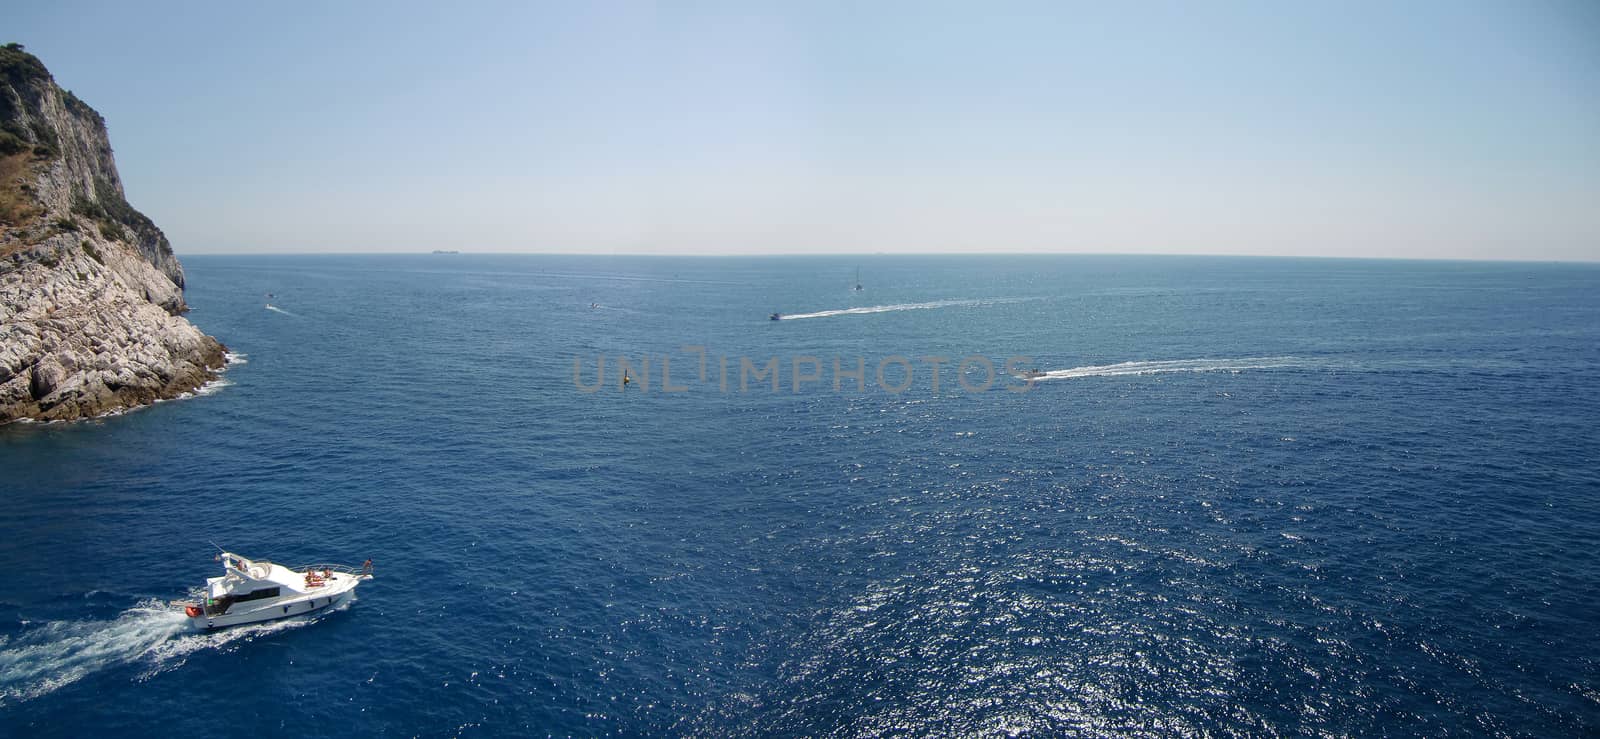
[271,612]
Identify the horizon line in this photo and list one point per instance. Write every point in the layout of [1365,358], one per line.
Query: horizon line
[705,255]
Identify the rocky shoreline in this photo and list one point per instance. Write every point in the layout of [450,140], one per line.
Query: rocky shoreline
[91,295]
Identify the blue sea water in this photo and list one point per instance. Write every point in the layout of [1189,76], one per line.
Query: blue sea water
[1249,496]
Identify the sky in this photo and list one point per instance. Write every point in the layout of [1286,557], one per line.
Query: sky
[1426,129]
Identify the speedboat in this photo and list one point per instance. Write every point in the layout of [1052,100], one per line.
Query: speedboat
[776,316]
[1030,374]
[251,590]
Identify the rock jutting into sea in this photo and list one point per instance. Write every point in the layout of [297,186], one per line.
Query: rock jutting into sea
[91,295]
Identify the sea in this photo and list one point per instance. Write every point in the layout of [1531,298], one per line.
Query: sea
[980,496]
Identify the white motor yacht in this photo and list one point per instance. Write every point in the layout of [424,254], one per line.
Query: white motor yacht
[257,590]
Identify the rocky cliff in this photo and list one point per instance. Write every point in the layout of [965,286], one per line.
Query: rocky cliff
[91,296]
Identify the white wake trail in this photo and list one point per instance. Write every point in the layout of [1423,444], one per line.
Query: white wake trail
[45,658]
[1172,365]
[280,310]
[889,308]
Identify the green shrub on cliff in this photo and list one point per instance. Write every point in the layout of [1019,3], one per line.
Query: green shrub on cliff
[79,107]
[18,69]
[104,217]
[10,144]
[119,220]
[17,65]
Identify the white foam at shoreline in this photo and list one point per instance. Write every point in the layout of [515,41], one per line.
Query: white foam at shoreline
[229,359]
[210,387]
[206,389]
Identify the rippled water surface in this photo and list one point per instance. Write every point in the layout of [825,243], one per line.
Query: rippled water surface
[1243,496]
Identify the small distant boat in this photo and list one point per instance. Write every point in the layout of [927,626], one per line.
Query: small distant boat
[1030,374]
[249,591]
[446,251]
[271,306]
[858,279]
[776,317]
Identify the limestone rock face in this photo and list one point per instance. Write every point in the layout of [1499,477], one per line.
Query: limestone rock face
[91,295]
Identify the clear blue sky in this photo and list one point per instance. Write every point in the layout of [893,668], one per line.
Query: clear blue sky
[1453,129]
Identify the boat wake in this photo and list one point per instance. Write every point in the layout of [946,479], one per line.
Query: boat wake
[152,636]
[1172,365]
[276,309]
[891,308]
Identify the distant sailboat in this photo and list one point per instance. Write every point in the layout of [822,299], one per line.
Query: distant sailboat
[858,279]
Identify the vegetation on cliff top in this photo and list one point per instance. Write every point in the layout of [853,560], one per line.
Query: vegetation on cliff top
[26,142]
[19,154]
[19,70]
[17,66]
